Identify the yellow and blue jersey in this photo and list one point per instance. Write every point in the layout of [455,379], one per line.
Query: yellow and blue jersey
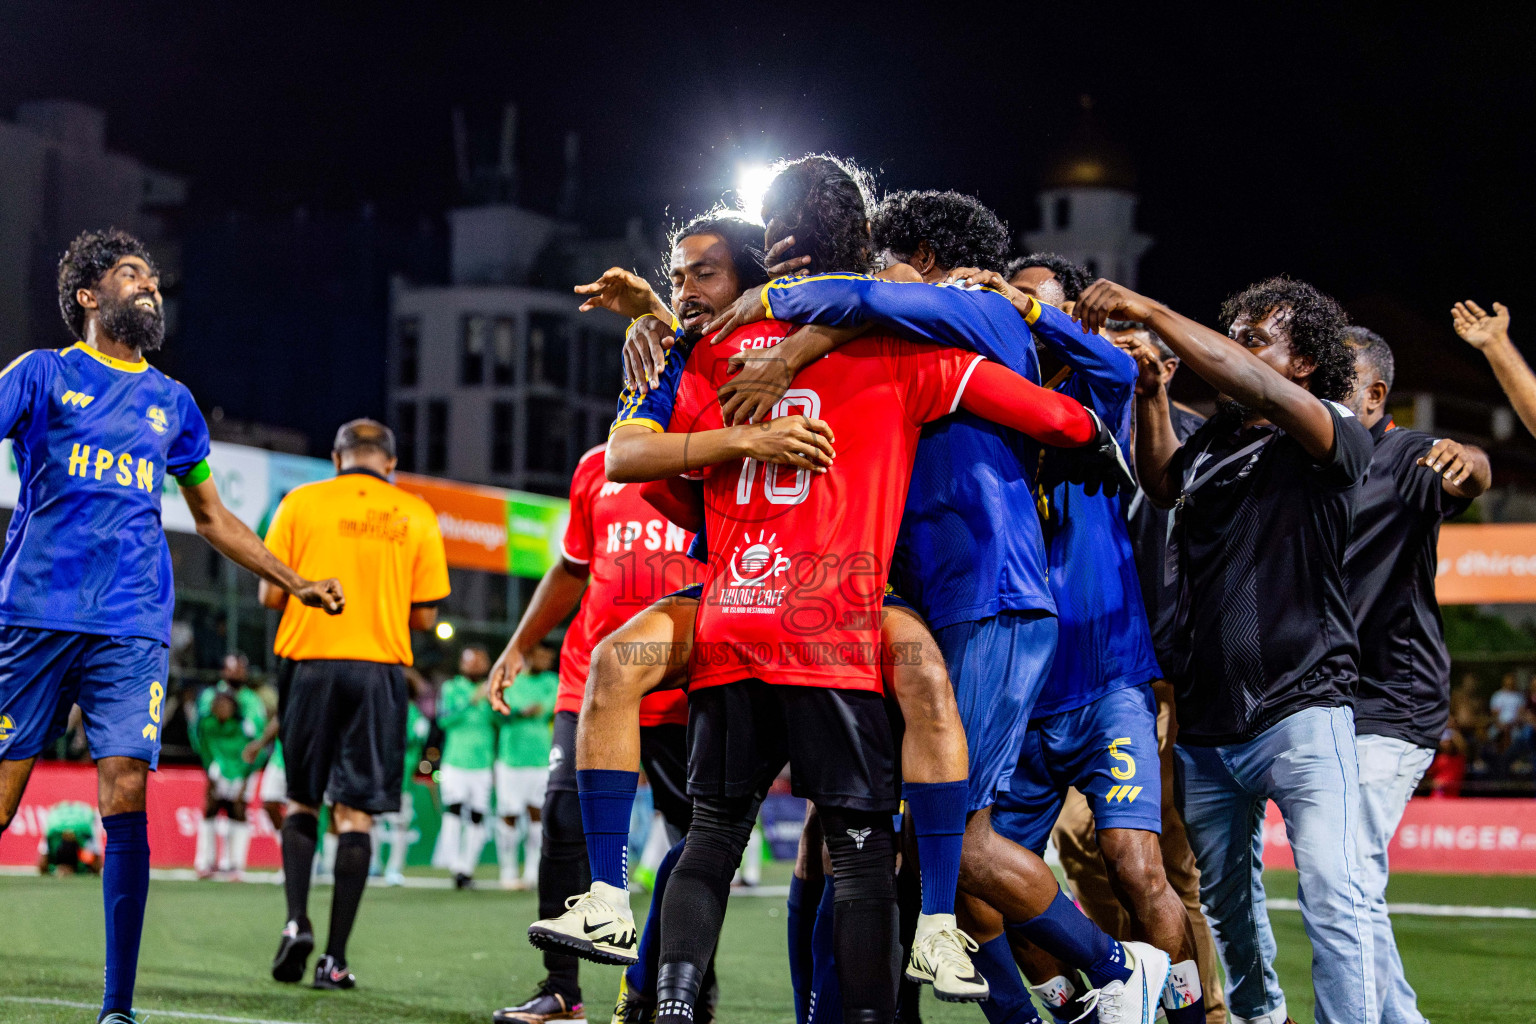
[94,439]
[1104,642]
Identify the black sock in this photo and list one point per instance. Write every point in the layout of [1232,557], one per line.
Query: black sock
[562,873]
[299,834]
[353,852]
[863,929]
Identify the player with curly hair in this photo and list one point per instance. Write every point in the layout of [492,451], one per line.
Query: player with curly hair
[85,577]
[944,229]
[1266,492]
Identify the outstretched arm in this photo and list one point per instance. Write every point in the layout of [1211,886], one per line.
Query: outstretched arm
[1220,361]
[998,394]
[1490,336]
[637,453]
[1156,441]
[235,541]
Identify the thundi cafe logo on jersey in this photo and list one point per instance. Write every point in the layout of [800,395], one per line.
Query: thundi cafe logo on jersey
[77,399]
[754,565]
[158,421]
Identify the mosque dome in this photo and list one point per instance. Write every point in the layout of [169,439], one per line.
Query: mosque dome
[1089,160]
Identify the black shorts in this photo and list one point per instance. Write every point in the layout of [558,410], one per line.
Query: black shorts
[663,755]
[343,734]
[840,744]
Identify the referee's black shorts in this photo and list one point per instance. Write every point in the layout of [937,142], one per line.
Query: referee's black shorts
[343,733]
[841,745]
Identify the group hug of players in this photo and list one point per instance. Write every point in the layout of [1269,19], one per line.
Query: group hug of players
[931,587]
[840,509]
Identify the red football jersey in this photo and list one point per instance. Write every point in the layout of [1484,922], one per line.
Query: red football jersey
[798,561]
[634,556]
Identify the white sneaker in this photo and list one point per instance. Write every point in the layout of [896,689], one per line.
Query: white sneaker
[1135,1000]
[596,926]
[941,957]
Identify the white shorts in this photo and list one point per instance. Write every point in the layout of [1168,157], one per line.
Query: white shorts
[231,790]
[468,786]
[517,788]
[274,785]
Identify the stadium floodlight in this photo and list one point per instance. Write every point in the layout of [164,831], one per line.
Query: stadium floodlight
[445,630]
[752,181]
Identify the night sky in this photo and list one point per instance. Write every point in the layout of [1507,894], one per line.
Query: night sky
[1379,156]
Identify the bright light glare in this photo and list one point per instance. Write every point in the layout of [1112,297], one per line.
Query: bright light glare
[752,181]
[445,631]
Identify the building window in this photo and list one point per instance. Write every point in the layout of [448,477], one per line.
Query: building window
[405,435]
[549,432]
[503,349]
[476,340]
[604,364]
[1063,213]
[437,436]
[502,420]
[549,349]
[408,345]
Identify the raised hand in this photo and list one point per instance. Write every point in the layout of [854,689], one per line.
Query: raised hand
[1476,327]
[780,267]
[645,352]
[1105,300]
[621,291]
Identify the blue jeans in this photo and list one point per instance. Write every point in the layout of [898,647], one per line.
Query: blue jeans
[1306,764]
[1390,770]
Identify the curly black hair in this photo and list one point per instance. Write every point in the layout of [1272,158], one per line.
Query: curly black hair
[1072,278]
[744,238]
[959,230]
[86,261]
[1372,349]
[1314,323]
[824,202]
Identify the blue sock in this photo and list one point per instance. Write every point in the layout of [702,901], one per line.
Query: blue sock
[1067,934]
[607,797]
[938,820]
[124,889]
[640,973]
[1010,1002]
[804,896]
[825,1005]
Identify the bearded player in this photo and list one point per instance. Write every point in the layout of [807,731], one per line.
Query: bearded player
[86,589]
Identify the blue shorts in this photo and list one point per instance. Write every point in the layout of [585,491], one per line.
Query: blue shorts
[119,683]
[1107,749]
[997,667]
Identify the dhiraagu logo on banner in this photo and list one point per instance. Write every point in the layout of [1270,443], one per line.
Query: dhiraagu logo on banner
[535,528]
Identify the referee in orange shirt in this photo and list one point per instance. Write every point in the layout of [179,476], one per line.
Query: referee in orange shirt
[344,708]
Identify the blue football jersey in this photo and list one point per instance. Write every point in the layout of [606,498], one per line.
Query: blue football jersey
[94,438]
[1103,640]
[968,546]
[654,408]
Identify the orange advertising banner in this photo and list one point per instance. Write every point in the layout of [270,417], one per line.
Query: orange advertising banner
[1487,563]
[473,520]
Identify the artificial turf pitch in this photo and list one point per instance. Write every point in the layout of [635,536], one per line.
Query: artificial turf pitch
[434,956]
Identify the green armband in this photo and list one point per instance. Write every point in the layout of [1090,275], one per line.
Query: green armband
[196,475]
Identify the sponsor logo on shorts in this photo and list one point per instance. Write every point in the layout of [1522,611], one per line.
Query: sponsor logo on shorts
[6,725]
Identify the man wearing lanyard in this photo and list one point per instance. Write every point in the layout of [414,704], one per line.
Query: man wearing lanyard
[1265,492]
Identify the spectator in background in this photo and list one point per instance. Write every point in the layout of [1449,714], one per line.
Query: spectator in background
[522,766]
[220,738]
[1467,707]
[1507,704]
[469,750]
[69,840]
[1449,767]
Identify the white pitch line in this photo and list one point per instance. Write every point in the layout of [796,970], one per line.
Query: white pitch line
[1436,910]
[148,1012]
